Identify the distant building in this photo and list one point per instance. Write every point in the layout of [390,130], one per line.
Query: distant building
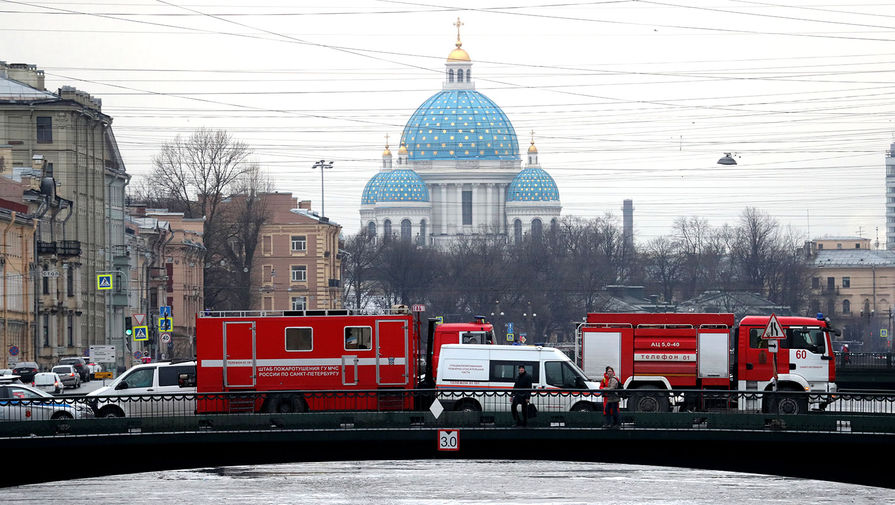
[298,266]
[855,286]
[890,198]
[68,129]
[459,172]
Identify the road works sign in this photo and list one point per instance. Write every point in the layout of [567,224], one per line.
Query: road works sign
[773,330]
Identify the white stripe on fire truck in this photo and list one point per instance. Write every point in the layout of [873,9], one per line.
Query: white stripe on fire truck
[218,363]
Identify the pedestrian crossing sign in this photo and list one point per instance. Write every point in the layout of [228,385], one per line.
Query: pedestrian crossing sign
[141,333]
[104,281]
[165,324]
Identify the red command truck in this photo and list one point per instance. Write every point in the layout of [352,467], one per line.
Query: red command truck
[282,353]
[652,353]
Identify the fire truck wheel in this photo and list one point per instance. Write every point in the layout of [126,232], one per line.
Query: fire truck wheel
[288,405]
[583,407]
[648,399]
[791,405]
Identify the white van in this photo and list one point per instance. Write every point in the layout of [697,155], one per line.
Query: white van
[463,369]
[132,394]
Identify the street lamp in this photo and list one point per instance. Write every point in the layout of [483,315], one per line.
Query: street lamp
[322,165]
[728,159]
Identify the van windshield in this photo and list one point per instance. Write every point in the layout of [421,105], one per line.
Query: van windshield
[563,375]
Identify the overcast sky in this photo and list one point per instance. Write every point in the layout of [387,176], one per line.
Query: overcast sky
[628,99]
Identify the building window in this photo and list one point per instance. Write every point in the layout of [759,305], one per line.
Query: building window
[46,330]
[467,207]
[371,229]
[267,245]
[44,129]
[387,229]
[299,303]
[358,337]
[460,75]
[846,282]
[537,230]
[846,307]
[517,232]
[831,283]
[299,273]
[423,232]
[70,282]
[299,339]
[469,75]
[815,283]
[406,230]
[299,243]
[70,330]
[451,75]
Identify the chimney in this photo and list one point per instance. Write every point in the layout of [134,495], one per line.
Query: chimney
[628,224]
[304,204]
[26,74]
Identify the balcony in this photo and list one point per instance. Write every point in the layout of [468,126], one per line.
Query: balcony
[69,248]
[46,248]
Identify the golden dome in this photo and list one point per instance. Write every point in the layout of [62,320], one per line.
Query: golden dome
[386,152]
[403,149]
[532,149]
[458,54]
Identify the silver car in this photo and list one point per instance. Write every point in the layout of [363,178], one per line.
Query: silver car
[19,402]
[70,377]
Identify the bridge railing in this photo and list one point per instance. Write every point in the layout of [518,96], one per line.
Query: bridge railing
[864,360]
[455,399]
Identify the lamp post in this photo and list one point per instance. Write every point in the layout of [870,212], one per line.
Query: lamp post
[322,165]
[530,319]
[496,317]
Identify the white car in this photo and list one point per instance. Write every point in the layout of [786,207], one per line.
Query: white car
[49,382]
[138,391]
[19,402]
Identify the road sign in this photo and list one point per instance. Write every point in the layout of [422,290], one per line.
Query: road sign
[511,337]
[510,328]
[773,330]
[884,332]
[165,324]
[103,353]
[164,311]
[448,440]
[166,338]
[418,308]
[104,281]
[13,350]
[141,333]
[439,319]
[772,346]
[138,354]
[139,319]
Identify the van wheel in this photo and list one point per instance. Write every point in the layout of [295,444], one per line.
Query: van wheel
[468,406]
[111,412]
[62,415]
[648,399]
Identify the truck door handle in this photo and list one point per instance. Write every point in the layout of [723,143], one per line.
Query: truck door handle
[792,366]
[749,366]
[826,358]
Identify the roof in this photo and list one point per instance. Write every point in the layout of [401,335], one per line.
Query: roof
[854,258]
[532,184]
[15,91]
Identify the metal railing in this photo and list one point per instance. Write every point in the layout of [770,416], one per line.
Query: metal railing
[864,360]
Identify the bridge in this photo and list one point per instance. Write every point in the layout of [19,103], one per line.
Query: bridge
[819,445]
[867,370]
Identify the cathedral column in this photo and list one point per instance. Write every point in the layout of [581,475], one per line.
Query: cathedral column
[459,208]
[489,212]
[444,206]
[476,216]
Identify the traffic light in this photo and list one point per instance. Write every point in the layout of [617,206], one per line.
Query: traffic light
[128,326]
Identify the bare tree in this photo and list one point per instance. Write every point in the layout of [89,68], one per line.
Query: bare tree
[662,262]
[361,255]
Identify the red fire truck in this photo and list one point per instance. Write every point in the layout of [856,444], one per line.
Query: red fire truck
[329,350]
[653,353]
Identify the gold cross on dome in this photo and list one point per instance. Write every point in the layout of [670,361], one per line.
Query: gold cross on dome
[532,137]
[386,140]
[458,24]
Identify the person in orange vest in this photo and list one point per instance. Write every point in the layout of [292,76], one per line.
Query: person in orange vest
[610,385]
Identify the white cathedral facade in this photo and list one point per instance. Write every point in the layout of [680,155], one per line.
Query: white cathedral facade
[458,172]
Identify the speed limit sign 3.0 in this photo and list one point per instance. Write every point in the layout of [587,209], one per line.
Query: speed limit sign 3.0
[448,440]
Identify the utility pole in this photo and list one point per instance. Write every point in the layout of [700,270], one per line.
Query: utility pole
[322,165]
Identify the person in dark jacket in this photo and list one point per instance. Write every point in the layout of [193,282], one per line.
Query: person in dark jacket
[610,385]
[521,396]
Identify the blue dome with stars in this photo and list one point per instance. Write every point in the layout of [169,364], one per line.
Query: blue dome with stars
[533,185]
[401,186]
[371,190]
[460,124]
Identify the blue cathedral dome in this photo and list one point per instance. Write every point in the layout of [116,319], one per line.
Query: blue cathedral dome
[532,184]
[460,124]
[402,185]
[371,190]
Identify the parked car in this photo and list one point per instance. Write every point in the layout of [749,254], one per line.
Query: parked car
[5,371]
[80,365]
[19,402]
[26,370]
[92,367]
[68,374]
[49,382]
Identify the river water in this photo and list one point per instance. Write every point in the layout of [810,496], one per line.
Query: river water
[436,482]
